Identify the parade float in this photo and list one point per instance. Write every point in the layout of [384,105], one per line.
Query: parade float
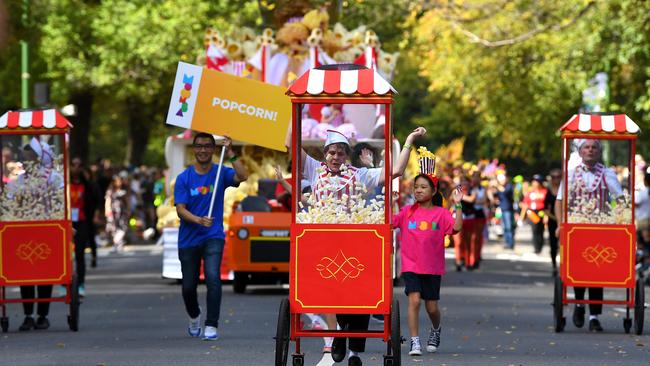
[598,233]
[36,238]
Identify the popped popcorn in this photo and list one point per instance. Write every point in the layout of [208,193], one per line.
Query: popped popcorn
[34,195]
[585,211]
[352,208]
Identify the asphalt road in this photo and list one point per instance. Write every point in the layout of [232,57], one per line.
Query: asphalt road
[498,315]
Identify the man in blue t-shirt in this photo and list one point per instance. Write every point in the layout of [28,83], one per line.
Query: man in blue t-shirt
[201,236]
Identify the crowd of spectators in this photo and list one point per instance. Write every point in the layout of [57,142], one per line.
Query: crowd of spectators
[130,197]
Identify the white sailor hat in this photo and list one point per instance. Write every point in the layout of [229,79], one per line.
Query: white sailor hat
[334,137]
[577,143]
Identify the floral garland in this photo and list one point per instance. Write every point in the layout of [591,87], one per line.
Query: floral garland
[598,172]
[346,209]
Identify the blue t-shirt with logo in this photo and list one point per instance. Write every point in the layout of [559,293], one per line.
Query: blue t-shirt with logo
[195,191]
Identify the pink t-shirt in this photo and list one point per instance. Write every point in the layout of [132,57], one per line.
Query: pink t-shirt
[422,238]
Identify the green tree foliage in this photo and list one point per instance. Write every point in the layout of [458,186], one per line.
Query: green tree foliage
[13,30]
[124,54]
[519,67]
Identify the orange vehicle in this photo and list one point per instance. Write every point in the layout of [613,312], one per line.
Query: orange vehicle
[257,244]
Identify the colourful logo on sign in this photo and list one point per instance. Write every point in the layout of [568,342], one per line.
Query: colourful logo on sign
[215,102]
[186,92]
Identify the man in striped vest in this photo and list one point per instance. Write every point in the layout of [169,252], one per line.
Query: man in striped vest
[591,187]
[334,177]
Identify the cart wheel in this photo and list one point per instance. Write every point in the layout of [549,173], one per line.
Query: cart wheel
[558,307]
[298,360]
[627,325]
[73,318]
[282,335]
[639,306]
[4,323]
[239,282]
[395,335]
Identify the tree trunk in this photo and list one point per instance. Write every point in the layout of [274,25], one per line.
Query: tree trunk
[139,127]
[80,133]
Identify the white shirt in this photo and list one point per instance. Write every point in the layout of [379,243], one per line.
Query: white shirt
[368,177]
[642,202]
[611,180]
[480,197]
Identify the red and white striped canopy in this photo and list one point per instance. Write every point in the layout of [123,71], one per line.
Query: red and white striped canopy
[48,118]
[613,123]
[363,81]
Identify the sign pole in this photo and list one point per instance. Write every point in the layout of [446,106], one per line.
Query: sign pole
[216,180]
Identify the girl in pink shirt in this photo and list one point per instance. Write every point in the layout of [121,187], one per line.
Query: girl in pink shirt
[423,227]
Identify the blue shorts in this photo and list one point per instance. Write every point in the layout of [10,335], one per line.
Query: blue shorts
[426,284]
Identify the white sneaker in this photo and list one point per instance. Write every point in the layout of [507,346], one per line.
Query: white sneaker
[416,349]
[210,333]
[194,329]
[434,339]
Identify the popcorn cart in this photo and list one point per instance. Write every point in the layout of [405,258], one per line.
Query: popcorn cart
[35,219]
[341,238]
[598,235]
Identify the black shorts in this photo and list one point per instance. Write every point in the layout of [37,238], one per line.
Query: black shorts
[426,284]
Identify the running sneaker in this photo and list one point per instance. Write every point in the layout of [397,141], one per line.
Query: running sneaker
[28,324]
[579,316]
[42,323]
[194,329]
[594,325]
[354,361]
[434,339]
[210,333]
[416,349]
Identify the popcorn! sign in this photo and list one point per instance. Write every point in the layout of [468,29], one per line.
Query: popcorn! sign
[222,104]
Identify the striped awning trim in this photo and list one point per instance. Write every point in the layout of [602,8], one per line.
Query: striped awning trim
[48,118]
[613,123]
[363,82]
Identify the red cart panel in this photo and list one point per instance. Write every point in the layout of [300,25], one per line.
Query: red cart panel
[35,253]
[598,255]
[345,267]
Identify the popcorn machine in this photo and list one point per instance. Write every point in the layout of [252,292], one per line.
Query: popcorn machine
[598,234]
[341,238]
[35,222]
